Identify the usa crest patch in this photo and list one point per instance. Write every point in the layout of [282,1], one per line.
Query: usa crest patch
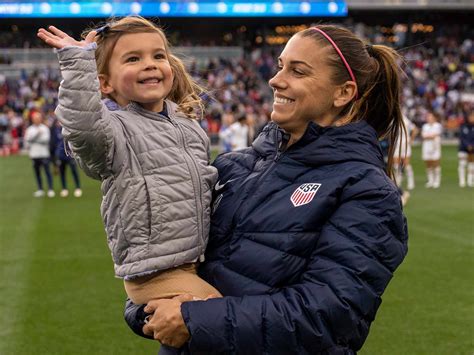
[304,194]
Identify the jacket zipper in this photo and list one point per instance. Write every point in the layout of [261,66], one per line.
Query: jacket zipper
[195,177]
[280,152]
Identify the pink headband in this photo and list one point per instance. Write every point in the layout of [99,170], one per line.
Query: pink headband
[348,67]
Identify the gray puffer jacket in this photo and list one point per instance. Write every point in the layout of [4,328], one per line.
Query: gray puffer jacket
[155,172]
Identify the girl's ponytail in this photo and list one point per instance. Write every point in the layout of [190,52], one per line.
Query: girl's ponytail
[185,90]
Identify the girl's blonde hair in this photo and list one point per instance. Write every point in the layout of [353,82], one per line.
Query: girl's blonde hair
[185,90]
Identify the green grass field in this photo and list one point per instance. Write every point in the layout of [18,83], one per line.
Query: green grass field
[58,294]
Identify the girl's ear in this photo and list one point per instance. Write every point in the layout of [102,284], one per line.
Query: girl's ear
[105,87]
[344,94]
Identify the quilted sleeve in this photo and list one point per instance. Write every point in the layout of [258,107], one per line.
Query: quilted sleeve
[87,124]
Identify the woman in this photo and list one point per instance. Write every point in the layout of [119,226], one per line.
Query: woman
[431,150]
[307,228]
[62,160]
[402,154]
[466,152]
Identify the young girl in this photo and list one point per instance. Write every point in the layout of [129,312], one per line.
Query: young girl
[152,157]
[431,150]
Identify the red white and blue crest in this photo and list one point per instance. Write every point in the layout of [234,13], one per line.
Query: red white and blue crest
[304,194]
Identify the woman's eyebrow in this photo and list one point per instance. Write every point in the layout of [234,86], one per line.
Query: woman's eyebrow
[300,62]
[293,62]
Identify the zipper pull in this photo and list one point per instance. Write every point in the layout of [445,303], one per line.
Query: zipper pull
[282,146]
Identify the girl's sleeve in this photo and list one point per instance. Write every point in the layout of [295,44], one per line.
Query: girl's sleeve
[332,306]
[88,126]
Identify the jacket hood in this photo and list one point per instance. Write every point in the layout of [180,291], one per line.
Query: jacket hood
[324,145]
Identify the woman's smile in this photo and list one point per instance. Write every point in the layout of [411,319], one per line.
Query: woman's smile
[282,100]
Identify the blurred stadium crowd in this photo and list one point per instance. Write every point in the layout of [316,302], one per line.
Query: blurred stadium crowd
[439,77]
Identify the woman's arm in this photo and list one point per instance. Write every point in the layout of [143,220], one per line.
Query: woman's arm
[135,317]
[336,298]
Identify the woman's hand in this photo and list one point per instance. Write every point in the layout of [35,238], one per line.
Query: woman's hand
[58,39]
[167,324]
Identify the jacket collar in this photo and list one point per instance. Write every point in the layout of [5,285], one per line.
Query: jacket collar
[169,107]
[324,145]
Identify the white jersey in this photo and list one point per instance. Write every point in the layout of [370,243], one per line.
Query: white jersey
[237,134]
[404,141]
[431,148]
[37,141]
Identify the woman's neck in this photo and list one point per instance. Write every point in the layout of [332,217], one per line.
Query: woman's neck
[294,137]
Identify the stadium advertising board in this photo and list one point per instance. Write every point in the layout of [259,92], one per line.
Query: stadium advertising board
[283,8]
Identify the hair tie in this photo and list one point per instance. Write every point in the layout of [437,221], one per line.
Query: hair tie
[348,67]
[370,49]
[102,31]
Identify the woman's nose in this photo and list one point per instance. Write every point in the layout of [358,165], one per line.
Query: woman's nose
[276,81]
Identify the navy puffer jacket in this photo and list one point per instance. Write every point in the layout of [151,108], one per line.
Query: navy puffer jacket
[303,243]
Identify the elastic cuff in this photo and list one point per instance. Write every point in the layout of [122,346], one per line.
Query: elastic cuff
[89,47]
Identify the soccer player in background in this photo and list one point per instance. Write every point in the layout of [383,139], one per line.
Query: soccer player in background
[466,152]
[402,155]
[431,150]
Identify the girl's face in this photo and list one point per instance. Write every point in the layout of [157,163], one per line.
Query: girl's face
[139,71]
[36,118]
[303,91]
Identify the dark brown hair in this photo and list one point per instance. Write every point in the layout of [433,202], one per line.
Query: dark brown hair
[378,82]
[185,91]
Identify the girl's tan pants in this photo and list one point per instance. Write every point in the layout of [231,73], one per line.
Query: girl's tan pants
[168,284]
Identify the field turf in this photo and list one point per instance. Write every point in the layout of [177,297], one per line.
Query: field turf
[58,294]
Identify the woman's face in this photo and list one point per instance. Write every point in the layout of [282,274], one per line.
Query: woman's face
[430,118]
[303,91]
[471,118]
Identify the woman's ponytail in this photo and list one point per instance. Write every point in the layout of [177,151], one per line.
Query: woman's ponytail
[379,104]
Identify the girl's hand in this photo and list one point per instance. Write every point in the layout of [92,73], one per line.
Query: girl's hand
[167,324]
[58,39]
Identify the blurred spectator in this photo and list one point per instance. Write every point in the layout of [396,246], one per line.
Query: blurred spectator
[402,154]
[237,133]
[466,152]
[62,160]
[227,121]
[37,138]
[431,150]
[5,135]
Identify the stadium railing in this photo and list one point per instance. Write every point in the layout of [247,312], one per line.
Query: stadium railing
[28,60]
